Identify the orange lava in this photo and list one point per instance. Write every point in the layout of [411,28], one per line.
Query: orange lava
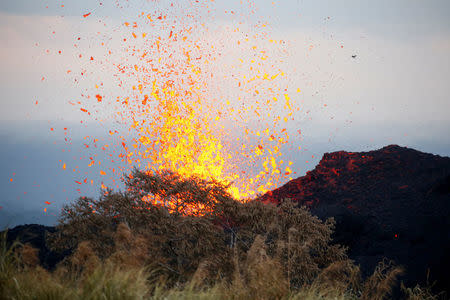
[175,68]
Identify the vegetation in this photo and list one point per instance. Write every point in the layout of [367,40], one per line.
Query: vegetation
[168,237]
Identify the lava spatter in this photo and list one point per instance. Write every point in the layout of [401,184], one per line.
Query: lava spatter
[195,96]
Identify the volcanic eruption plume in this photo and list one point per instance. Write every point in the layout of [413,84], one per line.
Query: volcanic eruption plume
[195,88]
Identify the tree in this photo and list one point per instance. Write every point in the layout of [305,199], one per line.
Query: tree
[178,223]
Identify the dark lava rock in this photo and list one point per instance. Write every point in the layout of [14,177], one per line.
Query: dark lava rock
[393,202]
[35,235]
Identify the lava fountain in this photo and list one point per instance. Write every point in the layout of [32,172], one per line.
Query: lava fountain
[196,95]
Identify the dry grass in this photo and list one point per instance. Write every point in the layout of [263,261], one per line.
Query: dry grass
[260,276]
[379,285]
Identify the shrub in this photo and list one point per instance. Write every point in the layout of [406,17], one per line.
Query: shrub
[176,224]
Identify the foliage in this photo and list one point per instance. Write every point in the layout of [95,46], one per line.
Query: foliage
[85,276]
[421,292]
[380,283]
[8,260]
[196,221]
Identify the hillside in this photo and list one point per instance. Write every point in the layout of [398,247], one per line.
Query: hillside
[392,202]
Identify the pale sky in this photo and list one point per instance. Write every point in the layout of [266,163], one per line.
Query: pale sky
[396,90]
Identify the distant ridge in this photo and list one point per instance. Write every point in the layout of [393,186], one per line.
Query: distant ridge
[392,202]
[342,173]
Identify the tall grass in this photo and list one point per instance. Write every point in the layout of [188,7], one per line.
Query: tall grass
[85,276]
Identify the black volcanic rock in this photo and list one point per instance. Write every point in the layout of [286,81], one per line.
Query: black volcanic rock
[35,235]
[393,202]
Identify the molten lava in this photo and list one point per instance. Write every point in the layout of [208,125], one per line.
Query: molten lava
[188,102]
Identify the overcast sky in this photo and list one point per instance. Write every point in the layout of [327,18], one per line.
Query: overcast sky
[395,90]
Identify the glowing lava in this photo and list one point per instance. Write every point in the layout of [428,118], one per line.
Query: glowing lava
[192,104]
